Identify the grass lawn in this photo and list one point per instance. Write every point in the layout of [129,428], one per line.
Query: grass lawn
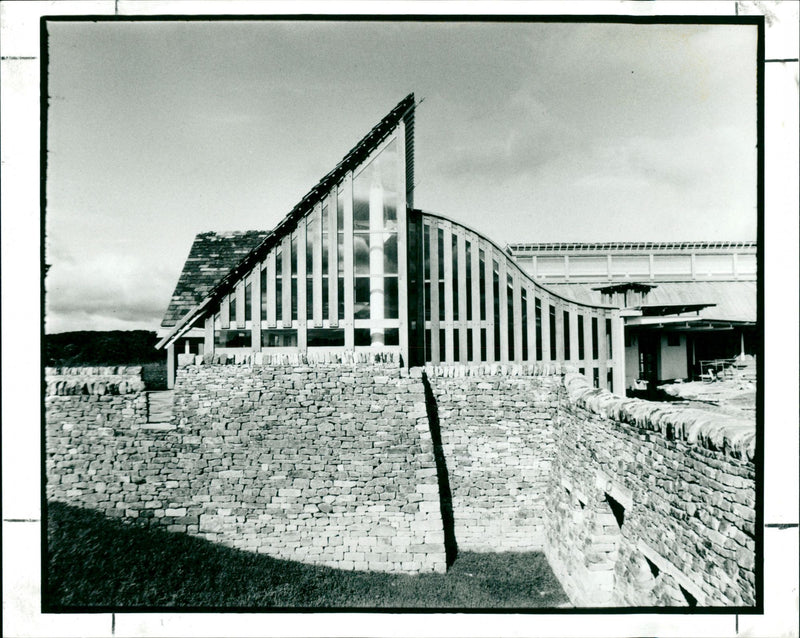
[95,561]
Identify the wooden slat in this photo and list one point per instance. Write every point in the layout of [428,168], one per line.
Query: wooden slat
[546,354]
[462,296]
[240,299]
[476,299]
[503,310]
[603,350]
[302,304]
[559,332]
[573,333]
[448,295]
[489,301]
[208,338]
[349,336]
[618,345]
[255,309]
[517,301]
[225,313]
[317,264]
[587,343]
[435,301]
[402,244]
[271,319]
[333,264]
[286,271]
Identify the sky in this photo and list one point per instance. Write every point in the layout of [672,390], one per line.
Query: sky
[532,132]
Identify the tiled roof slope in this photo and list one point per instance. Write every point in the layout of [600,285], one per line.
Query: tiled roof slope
[404,110]
[734,300]
[211,257]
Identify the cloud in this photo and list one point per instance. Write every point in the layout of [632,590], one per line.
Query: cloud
[106,290]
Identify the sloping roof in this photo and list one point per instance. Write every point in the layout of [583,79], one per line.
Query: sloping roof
[403,110]
[734,300]
[210,258]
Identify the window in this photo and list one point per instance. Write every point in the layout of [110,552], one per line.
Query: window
[454,250]
[325,337]
[468,277]
[264,295]
[456,345]
[232,339]
[595,344]
[375,250]
[470,347]
[279,338]
[232,307]
[581,342]
[248,302]
[608,340]
[496,295]
[294,275]
[510,315]
[524,303]
[427,344]
[442,351]
[553,349]
[440,264]
[279,283]
[538,310]
[566,335]
[426,269]
[340,250]
[482,283]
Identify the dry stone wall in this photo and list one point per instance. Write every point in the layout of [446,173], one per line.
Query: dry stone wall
[360,464]
[653,504]
[497,430]
[327,463]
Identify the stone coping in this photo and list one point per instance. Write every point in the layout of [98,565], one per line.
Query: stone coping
[94,380]
[711,430]
[290,358]
[83,371]
[493,370]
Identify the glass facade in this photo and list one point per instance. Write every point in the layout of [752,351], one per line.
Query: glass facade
[333,280]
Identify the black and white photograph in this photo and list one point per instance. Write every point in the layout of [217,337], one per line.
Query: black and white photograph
[418,313]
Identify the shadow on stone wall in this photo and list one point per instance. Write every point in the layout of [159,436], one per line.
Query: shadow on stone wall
[443,478]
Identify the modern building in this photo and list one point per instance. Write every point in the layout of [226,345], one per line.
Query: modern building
[355,267]
[683,303]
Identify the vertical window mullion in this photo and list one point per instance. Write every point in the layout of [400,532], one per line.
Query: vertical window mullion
[448,294]
[316,285]
[435,301]
[347,219]
[517,320]
[503,310]
[463,284]
[476,300]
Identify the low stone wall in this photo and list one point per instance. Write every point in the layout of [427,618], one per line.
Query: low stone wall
[497,431]
[652,504]
[93,381]
[327,463]
[364,465]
